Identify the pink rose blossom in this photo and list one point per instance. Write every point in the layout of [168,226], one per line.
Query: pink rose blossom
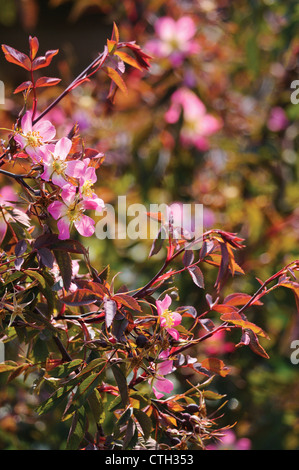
[56,168]
[160,384]
[197,123]
[32,138]
[174,39]
[168,319]
[71,212]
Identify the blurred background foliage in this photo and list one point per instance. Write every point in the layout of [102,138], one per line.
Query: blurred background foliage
[243,59]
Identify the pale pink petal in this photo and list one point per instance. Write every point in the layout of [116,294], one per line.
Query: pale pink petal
[68,193]
[163,385]
[57,209]
[46,153]
[185,28]
[176,317]
[165,367]
[85,226]
[46,130]
[95,203]
[158,395]
[63,226]
[91,174]
[59,180]
[46,175]
[163,304]
[174,333]
[75,168]
[165,27]
[62,148]
[26,122]
[20,140]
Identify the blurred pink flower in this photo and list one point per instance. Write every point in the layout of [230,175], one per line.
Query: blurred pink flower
[7,195]
[174,39]
[32,138]
[217,345]
[277,120]
[197,123]
[159,383]
[230,442]
[168,319]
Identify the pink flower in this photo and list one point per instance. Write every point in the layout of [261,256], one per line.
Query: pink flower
[86,181]
[71,212]
[230,442]
[160,384]
[56,168]
[32,138]
[175,39]
[168,319]
[277,120]
[197,123]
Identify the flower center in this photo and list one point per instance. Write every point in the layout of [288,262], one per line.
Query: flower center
[74,212]
[59,166]
[167,315]
[86,189]
[34,139]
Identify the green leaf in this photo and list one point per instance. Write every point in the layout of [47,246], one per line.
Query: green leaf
[77,430]
[145,423]
[121,383]
[65,369]
[97,407]
[55,399]
[82,393]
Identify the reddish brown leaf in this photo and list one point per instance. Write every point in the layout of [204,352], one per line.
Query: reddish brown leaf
[80,297]
[197,276]
[127,301]
[33,45]
[16,57]
[46,81]
[44,61]
[250,339]
[240,299]
[215,365]
[116,78]
[128,59]
[238,320]
[23,86]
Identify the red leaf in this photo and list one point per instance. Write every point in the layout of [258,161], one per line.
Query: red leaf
[215,365]
[128,301]
[240,299]
[116,78]
[141,57]
[44,61]
[115,33]
[250,339]
[23,86]
[46,81]
[80,297]
[197,276]
[238,320]
[16,57]
[128,59]
[34,45]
